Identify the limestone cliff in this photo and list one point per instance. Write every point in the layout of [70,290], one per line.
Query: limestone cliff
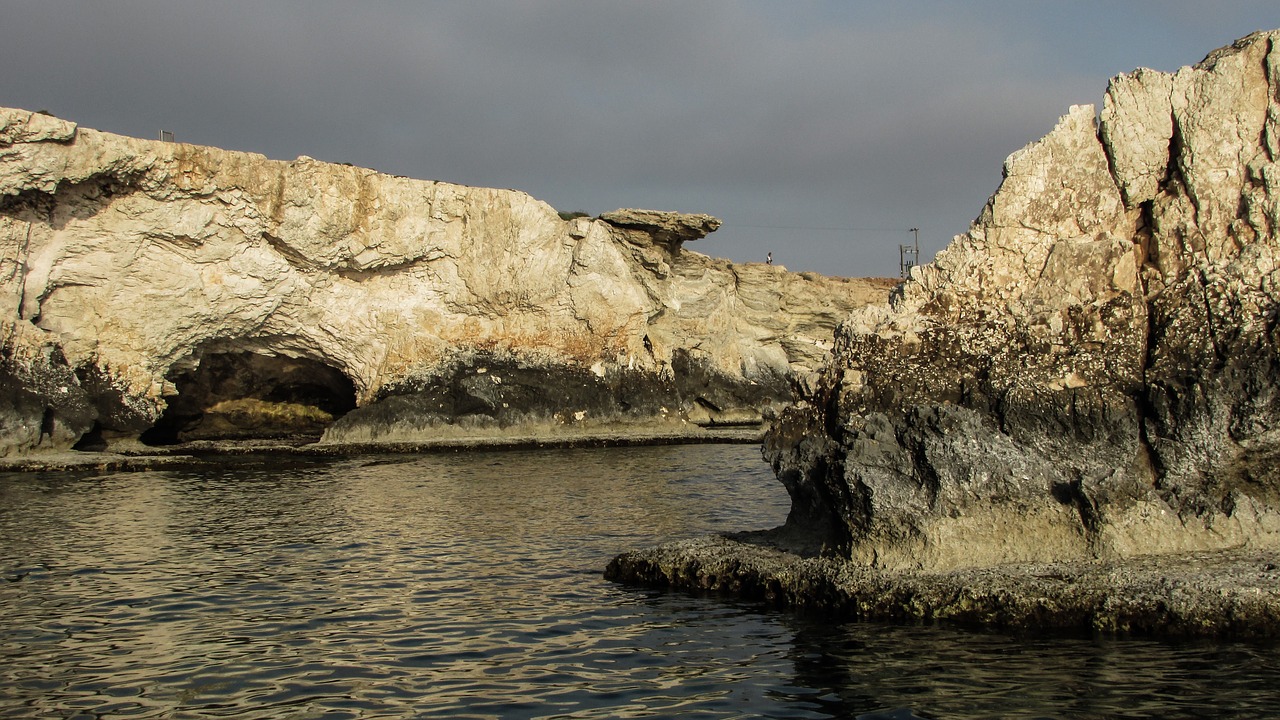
[1091,371]
[177,291]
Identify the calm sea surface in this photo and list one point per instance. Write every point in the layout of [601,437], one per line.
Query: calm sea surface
[469,585]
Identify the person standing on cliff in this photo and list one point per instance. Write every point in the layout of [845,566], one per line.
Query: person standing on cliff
[769,259]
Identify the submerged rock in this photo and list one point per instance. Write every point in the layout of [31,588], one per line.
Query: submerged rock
[1088,374]
[148,284]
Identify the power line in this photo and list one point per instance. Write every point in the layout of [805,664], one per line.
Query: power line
[812,227]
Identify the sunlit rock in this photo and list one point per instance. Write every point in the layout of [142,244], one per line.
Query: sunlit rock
[1090,371]
[127,264]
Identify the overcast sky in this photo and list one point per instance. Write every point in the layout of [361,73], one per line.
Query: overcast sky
[820,131]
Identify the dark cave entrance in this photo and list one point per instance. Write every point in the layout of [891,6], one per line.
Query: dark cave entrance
[252,396]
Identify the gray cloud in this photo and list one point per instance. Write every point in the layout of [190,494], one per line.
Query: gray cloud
[817,130]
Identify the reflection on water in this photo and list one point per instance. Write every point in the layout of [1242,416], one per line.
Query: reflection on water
[469,585]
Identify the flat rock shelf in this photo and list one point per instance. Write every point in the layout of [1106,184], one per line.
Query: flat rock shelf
[1233,593]
[206,452]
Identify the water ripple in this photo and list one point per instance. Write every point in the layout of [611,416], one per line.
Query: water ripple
[469,586]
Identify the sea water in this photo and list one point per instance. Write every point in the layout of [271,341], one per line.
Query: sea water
[469,585]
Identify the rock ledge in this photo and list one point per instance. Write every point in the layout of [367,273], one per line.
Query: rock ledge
[1208,594]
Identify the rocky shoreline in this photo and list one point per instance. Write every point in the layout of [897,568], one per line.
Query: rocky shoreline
[1069,419]
[1221,594]
[208,453]
[165,292]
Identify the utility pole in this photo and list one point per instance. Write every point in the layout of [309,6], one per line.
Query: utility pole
[909,255]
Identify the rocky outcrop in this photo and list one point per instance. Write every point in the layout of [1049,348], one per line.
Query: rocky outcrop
[1223,593]
[1070,418]
[171,291]
[1089,372]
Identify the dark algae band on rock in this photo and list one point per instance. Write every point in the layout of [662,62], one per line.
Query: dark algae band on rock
[1088,375]
[1208,594]
[168,293]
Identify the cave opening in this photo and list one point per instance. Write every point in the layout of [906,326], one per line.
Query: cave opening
[252,396]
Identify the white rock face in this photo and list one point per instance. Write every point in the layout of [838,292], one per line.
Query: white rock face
[124,262]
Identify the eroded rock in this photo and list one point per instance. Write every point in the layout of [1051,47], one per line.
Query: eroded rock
[1220,594]
[1089,372]
[126,264]
[667,228]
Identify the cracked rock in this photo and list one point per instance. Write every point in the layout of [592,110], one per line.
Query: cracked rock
[1090,371]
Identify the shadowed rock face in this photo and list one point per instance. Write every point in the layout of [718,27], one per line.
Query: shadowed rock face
[126,265]
[1091,370]
[231,395]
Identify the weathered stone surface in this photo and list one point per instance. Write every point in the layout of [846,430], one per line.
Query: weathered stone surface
[1219,594]
[125,264]
[669,228]
[1070,417]
[1087,373]
[25,127]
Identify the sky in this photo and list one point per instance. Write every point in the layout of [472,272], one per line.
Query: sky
[819,131]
